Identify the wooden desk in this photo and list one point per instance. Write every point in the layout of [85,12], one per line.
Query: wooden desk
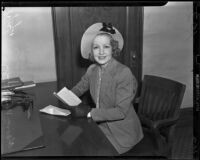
[64,136]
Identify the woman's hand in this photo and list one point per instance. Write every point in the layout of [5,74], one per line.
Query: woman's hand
[80,111]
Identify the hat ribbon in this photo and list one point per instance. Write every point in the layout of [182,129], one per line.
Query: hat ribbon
[107,28]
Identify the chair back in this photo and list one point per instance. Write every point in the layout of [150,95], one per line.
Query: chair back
[160,98]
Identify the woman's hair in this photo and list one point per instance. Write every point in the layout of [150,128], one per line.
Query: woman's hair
[114,44]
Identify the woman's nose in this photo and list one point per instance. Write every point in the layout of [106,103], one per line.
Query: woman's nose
[101,51]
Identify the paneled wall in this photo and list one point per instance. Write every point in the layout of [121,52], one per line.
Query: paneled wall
[168,44]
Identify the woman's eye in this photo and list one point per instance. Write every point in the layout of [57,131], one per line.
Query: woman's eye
[95,47]
[107,46]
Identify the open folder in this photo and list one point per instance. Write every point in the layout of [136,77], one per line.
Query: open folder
[68,97]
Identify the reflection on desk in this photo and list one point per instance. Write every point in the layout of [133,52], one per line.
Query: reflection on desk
[65,136]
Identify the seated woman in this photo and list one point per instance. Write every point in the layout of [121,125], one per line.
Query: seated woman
[112,87]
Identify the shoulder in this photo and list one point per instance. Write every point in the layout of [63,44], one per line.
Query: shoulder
[124,73]
[91,68]
[122,69]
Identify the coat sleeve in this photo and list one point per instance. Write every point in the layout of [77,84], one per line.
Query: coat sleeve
[125,92]
[83,85]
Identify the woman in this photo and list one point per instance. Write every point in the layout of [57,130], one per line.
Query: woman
[112,87]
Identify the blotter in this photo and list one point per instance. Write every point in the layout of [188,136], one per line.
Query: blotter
[55,111]
[68,97]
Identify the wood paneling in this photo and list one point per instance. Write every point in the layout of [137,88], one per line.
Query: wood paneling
[62,40]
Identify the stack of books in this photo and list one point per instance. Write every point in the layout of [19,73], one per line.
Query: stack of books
[16,84]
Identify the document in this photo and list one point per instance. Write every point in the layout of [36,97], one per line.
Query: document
[68,97]
[50,109]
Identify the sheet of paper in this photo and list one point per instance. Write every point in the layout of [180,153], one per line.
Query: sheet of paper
[68,97]
[50,109]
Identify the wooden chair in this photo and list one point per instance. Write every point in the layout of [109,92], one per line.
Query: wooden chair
[158,110]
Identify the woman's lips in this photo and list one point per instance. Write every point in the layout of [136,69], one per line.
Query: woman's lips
[102,57]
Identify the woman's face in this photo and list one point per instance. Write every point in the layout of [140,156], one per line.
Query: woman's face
[102,49]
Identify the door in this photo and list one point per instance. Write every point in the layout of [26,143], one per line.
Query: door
[71,22]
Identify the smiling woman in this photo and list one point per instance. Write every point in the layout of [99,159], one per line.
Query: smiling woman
[27,41]
[112,87]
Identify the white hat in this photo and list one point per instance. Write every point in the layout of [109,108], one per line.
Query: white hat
[91,33]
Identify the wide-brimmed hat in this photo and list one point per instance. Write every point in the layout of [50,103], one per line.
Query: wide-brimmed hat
[91,33]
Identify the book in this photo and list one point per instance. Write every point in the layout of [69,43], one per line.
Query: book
[11,83]
[68,97]
[27,84]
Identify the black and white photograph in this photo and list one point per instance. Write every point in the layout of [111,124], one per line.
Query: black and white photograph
[98,80]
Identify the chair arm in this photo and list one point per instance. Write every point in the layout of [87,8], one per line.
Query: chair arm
[163,141]
[165,122]
[159,123]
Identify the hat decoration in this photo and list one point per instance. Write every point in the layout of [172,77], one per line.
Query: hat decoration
[108,28]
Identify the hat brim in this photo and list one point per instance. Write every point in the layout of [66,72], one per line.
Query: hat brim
[91,33]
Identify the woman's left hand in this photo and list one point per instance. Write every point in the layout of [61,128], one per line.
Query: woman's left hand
[80,111]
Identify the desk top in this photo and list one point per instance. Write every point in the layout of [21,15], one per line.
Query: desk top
[65,136]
